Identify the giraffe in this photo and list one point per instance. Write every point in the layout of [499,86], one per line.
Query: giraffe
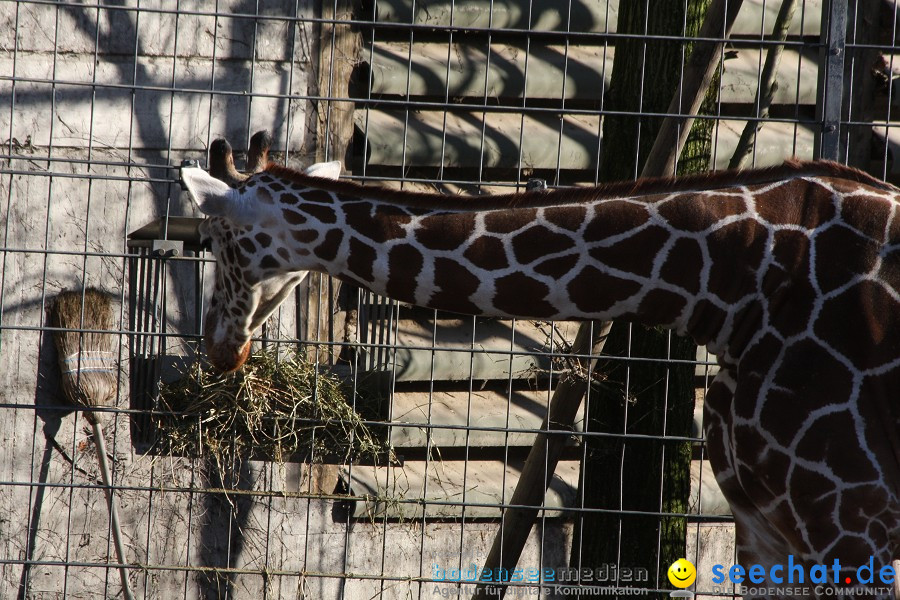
[789,274]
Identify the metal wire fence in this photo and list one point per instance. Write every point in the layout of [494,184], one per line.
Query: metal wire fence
[100,103]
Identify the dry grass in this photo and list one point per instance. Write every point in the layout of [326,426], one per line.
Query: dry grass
[275,407]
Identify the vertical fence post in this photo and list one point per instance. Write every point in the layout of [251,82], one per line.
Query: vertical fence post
[831,80]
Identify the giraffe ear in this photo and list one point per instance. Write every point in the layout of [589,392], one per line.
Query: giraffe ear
[325,170]
[213,197]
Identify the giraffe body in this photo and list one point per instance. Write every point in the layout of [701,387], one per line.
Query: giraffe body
[791,275]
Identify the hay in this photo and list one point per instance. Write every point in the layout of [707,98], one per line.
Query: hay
[86,358]
[276,408]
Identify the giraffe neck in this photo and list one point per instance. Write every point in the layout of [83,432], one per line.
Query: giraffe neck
[647,259]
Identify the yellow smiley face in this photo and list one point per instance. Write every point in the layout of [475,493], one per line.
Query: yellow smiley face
[682,573]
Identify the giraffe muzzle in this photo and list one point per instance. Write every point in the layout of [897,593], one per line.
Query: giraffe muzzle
[225,359]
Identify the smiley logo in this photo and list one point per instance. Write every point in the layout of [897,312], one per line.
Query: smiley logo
[682,573]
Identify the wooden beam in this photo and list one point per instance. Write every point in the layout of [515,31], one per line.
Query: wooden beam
[339,52]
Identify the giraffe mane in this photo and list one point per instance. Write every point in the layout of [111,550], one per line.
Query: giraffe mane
[641,187]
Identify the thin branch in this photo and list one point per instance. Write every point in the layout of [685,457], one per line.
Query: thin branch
[765,93]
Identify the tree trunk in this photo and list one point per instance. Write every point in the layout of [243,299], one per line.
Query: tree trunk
[650,398]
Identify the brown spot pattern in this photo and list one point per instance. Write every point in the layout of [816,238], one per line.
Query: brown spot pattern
[518,294]
[664,306]
[860,323]
[247,245]
[406,264]
[634,254]
[263,239]
[324,214]
[841,255]
[747,323]
[797,202]
[614,217]
[385,225]
[866,213]
[362,258]
[567,217]
[455,285]
[705,321]
[447,231]
[791,251]
[593,291]
[537,242]
[683,213]
[293,217]
[738,248]
[269,262]
[683,265]
[488,253]
[329,247]
[556,267]
[507,221]
[304,236]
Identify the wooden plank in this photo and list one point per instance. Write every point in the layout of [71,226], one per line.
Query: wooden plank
[437,489]
[57,102]
[864,34]
[429,138]
[594,16]
[706,496]
[553,72]
[339,46]
[480,418]
[775,142]
[451,348]
[506,71]
[204,30]
[474,139]
[710,544]
[339,51]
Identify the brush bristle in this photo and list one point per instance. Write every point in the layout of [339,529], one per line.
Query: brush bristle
[86,358]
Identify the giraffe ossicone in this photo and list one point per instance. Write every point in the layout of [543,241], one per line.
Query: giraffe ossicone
[790,274]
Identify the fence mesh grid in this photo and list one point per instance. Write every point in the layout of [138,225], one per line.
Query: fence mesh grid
[99,105]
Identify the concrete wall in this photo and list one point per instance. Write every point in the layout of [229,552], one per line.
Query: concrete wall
[95,105]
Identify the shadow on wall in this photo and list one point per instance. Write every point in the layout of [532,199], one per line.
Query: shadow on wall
[119,87]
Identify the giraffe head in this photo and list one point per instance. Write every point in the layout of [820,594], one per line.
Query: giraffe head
[254,273]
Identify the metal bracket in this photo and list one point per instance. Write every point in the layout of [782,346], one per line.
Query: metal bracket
[831,82]
[536,184]
[167,248]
